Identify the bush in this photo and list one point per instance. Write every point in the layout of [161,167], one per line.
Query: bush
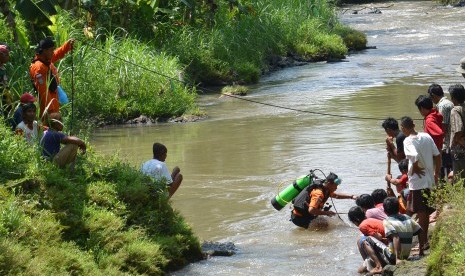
[354,40]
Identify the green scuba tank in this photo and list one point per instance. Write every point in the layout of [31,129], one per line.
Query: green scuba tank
[291,191]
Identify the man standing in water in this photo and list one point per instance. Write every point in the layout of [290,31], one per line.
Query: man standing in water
[309,203]
[461,68]
[423,172]
[391,127]
[44,74]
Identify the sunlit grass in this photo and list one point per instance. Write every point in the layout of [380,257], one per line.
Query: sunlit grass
[105,218]
[236,49]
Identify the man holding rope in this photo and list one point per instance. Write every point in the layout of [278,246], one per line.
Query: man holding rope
[310,203]
[44,74]
[391,127]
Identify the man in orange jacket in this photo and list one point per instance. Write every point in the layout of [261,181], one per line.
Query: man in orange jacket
[44,74]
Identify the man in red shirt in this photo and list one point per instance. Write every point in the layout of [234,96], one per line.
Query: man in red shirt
[433,120]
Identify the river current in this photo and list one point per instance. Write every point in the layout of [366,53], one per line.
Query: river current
[241,156]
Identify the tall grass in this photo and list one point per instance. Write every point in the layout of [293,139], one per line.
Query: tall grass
[123,78]
[238,46]
[106,218]
[119,77]
[116,77]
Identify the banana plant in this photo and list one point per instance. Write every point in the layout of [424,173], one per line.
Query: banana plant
[35,13]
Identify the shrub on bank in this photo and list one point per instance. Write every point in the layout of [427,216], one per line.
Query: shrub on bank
[353,39]
[106,218]
[447,244]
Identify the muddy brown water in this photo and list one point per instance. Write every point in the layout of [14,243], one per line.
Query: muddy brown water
[234,162]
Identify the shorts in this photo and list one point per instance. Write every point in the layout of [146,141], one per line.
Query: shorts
[382,251]
[446,158]
[446,163]
[417,201]
[360,245]
[301,221]
[404,193]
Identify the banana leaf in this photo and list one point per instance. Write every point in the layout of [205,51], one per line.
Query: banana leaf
[32,13]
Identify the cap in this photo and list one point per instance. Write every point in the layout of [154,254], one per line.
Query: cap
[27,98]
[44,44]
[4,49]
[461,68]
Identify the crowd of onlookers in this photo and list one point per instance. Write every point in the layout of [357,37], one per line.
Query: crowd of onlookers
[426,159]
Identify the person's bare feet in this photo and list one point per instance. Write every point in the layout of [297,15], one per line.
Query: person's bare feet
[362,269]
[375,271]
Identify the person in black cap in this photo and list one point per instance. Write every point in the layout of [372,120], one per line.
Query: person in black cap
[44,74]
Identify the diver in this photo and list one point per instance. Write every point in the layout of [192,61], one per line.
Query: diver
[310,203]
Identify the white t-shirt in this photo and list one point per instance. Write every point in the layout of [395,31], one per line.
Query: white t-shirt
[420,148]
[157,170]
[31,135]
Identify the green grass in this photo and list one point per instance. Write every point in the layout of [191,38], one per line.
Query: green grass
[106,218]
[447,243]
[235,90]
[119,76]
[124,78]
[236,48]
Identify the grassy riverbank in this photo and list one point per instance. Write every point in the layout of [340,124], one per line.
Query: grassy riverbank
[105,218]
[447,244]
[121,70]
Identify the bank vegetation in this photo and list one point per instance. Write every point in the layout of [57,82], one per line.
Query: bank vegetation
[447,244]
[147,57]
[105,218]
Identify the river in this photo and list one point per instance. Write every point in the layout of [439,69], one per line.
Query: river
[237,160]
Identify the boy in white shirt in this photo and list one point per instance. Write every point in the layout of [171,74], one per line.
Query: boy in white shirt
[157,169]
[423,173]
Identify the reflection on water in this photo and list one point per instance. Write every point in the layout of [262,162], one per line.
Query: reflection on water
[237,160]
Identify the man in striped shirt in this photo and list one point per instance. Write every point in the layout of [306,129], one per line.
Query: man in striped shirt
[399,230]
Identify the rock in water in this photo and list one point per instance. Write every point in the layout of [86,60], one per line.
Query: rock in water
[210,248]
